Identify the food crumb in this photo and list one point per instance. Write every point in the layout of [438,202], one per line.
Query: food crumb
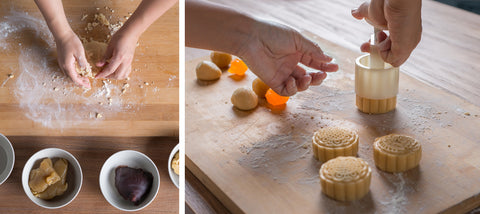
[11,76]
[467,114]
[449,146]
[305,146]
[84,17]
[312,117]
[55,89]
[146,83]
[98,115]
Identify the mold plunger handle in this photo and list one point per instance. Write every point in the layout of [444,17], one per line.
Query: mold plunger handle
[376,60]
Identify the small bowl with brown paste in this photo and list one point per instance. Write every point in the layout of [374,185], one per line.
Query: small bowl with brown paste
[129,180]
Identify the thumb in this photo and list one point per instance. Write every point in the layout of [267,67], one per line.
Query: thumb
[362,11]
[105,58]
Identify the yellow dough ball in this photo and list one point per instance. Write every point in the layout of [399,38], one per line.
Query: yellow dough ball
[207,70]
[221,59]
[244,99]
[259,87]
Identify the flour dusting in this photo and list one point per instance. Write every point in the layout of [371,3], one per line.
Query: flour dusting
[43,92]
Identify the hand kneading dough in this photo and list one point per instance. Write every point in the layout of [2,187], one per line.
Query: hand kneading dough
[221,59]
[94,52]
[345,178]
[244,99]
[260,87]
[207,70]
[396,153]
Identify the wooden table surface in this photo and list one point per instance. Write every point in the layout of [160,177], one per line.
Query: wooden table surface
[41,100]
[456,72]
[91,153]
[34,116]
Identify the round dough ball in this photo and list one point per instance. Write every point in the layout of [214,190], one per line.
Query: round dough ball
[259,87]
[221,59]
[244,99]
[206,70]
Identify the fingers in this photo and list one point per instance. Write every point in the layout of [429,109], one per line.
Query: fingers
[76,78]
[381,36]
[317,78]
[315,58]
[302,79]
[361,12]
[108,55]
[122,72]
[110,69]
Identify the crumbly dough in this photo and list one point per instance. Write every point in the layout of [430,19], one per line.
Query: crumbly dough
[396,153]
[244,99]
[345,178]
[94,51]
[331,142]
[222,60]
[207,70]
[176,164]
[259,87]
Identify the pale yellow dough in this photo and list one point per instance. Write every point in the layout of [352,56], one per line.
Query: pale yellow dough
[345,178]
[207,70]
[221,59]
[244,99]
[396,153]
[94,51]
[176,164]
[331,142]
[259,87]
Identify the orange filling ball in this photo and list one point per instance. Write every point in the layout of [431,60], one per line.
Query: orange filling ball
[275,99]
[238,67]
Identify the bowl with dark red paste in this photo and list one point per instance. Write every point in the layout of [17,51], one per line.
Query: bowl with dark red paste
[129,180]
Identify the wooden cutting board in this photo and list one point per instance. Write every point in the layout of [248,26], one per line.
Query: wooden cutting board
[41,101]
[261,161]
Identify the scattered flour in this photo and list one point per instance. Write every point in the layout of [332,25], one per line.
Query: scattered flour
[38,74]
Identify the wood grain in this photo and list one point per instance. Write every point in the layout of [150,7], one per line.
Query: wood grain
[245,157]
[91,153]
[142,111]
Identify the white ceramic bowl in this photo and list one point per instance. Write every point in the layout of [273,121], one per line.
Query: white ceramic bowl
[7,158]
[173,176]
[131,159]
[74,177]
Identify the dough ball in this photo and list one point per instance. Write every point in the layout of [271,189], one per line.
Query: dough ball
[207,70]
[221,59]
[244,99]
[94,51]
[259,87]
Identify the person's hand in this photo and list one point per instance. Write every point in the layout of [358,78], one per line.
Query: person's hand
[273,53]
[119,56]
[402,18]
[70,51]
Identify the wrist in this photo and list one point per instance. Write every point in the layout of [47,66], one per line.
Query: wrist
[246,33]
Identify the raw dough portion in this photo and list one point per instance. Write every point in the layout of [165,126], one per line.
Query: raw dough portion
[94,52]
[331,142]
[58,188]
[396,153]
[259,87]
[244,99]
[43,176]
[345,178]
[175,164]
[221,59]
[207,70]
